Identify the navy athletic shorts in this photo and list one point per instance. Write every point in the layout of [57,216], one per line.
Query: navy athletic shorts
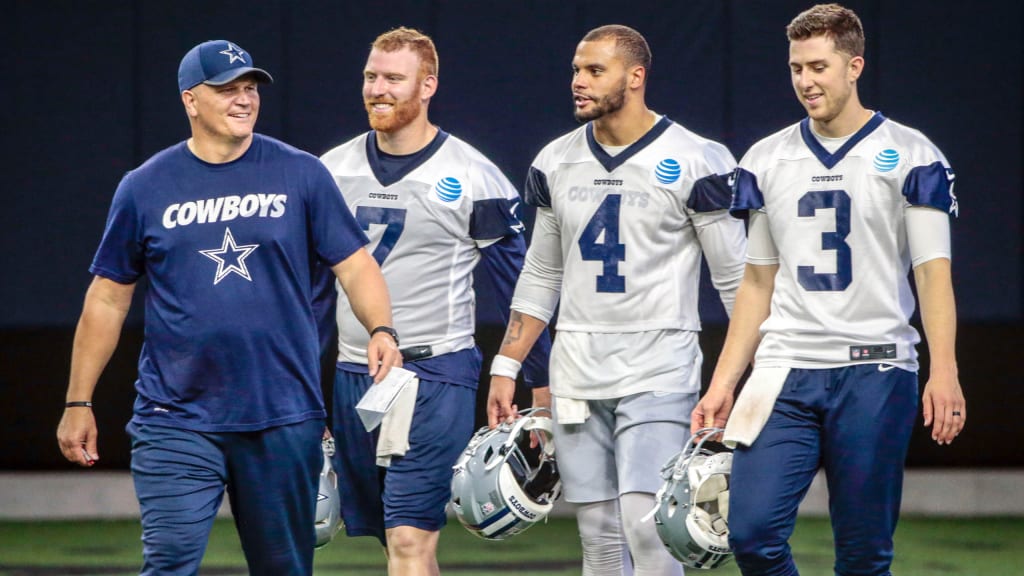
[415,489]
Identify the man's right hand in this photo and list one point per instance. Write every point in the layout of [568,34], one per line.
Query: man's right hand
[542,397]
[712,411]
[499,401]
[76,435]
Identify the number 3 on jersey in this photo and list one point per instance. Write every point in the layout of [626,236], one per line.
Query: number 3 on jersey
[608,250]
[807,207]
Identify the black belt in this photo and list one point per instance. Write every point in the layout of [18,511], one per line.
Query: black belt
[414,353]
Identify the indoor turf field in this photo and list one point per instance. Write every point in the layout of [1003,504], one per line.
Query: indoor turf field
[925,547]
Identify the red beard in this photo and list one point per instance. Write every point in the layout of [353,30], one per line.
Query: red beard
[401,115]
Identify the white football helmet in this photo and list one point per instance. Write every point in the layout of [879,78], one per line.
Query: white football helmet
[328,500]
[692,517]
[501,486]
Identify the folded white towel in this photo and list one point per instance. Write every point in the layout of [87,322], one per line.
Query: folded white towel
[570,410]
[394,428]
[754,406]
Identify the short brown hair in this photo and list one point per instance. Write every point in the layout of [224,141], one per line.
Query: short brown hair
[630,45]
[418,42]
[831,21]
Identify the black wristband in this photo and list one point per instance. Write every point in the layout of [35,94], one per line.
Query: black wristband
[80,404]
[387,330]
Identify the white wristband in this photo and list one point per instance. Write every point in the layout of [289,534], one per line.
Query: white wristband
[505,366]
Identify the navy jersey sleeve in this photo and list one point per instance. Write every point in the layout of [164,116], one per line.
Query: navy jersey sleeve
[746,195]
[500,263]
[120,256]
[537,192]
[495,218]
[932,186]
[710,193]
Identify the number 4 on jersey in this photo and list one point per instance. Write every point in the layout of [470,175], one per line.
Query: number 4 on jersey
[607,250]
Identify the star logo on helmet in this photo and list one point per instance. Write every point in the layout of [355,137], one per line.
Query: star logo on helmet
[234,54]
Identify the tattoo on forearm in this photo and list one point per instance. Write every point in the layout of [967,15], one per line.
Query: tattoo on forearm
[515,328]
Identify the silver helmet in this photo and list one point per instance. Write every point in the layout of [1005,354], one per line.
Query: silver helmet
[328,501]
[692,517]
[501,486]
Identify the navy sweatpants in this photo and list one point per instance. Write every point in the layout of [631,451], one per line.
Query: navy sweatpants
[855,422]
[271,477]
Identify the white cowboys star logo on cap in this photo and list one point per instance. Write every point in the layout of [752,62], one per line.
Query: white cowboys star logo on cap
[234,53]
[229,251]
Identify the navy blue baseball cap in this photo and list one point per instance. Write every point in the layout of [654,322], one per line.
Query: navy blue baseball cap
[216,62]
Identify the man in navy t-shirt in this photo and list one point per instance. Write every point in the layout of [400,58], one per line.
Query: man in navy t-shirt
[227,227]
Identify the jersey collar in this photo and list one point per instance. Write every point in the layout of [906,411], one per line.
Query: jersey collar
[830,160]
[609,162]
[416,159]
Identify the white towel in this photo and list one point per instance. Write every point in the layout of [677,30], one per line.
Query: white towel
[394,428]
[570,410]
[754,405]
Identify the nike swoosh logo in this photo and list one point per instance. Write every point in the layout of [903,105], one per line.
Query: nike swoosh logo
[885,367]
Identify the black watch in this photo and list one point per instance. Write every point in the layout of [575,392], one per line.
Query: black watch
[387,330]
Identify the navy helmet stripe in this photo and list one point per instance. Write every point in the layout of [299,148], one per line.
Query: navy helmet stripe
[501,514]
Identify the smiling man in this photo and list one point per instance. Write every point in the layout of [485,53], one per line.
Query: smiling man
[627,204]
[435,209]
[228,227]
[842,205]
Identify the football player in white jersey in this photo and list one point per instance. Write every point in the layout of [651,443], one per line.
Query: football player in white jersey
[841,205]
[626,205]
[434,209]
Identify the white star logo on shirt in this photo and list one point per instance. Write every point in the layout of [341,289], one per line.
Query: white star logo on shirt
[234,53]
[235,253]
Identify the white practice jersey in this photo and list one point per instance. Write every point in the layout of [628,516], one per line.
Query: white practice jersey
[837,220]
[619,240]
[426,226]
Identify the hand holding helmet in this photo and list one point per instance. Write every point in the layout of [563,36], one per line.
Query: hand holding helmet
[501,484]
[692,517]
[328,501]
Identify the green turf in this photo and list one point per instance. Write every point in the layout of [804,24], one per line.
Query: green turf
[925,547]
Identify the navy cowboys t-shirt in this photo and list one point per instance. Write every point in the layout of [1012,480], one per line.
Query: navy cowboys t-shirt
[230,340]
